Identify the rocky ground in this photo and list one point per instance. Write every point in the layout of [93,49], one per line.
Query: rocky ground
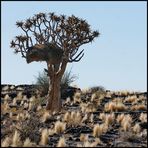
[93,118]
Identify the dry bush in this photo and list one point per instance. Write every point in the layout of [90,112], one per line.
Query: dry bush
[6,142]
[77,97]
[99,129]
[45,116]
[73,118]
[61,142]
[109,118]
[83,137]
[126,122]
[143,117]
[16,140]
[139,107]
[136,128]
[131,99]
[28,143]
[115,106]
[44,137]
[59,127]
[29,128]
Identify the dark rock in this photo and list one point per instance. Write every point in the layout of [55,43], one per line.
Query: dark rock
[69,92]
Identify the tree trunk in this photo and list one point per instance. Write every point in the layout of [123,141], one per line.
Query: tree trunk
[54,94]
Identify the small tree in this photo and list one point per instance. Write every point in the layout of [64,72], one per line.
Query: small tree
[55,40]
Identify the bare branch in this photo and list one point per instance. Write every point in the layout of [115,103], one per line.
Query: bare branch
[77,58]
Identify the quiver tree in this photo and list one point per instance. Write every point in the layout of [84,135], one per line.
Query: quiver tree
[55,40]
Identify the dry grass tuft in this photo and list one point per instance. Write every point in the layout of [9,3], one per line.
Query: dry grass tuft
[59,127]
[120,118]
[73,118]
[115,106]
[97,130]
[109,118]
[19,96]
[46,116]
[67,116]
[143,117]
[28,143]
[44,137]
[83,137]
[6,142]
[77,97]
[139,107]
[126,122]
[136,128]
[16,141]
[61,142]
[6,98]
[131,99]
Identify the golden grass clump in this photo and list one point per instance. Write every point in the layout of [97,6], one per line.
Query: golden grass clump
[115,106]
[51,132]
[6,97]
[139,107]
[61,142]
[86,90]
[16,141]
[30,106]
[67,100]
[67,116]
[19,96]
[90,107]
[5,88]
[22,103]
[102,116]
[12,87]
[97,130]
[32,99]
[83,107]
[76,118]
[126,122]
[20,116]
[91,117]
[120,118]
[143,117]
[126,126]
[26,105]
[6,142]
[89,144]
[131,99]
[124,93]
[77,97]
[28,143]
[14,101]
[109,118]
[25,97]
[73,118]
[44,137]
[136,128]
[46,116]
[109,94]
[39,108]
[85,117]
[94,96]
[10,114]
[83,137]
[110,106]
[59,127]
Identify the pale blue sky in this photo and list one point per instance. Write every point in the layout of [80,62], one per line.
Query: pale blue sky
[115,60]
